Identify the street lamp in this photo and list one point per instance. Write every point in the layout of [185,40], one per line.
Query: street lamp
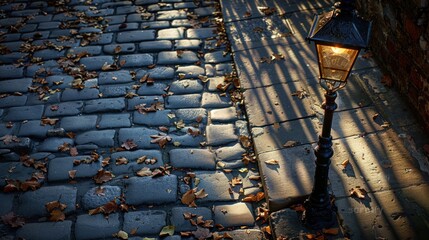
[339,35]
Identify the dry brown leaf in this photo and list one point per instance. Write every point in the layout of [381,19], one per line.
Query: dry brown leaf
[8,139]
[201,194]
[49,121]
[188,197]
[131,95]
[72,174]
[330,231]
[57,215]
[13,220]
[129,144]
[117,49]
[121,161]
[103,176]
[236,181]
[167,231]
[358,192]
[73,151]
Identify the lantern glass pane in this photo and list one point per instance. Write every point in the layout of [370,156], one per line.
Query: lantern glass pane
[335,62]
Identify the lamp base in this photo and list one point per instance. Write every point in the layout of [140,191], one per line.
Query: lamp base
[319,217]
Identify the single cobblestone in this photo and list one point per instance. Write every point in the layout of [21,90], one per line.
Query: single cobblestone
[183,101]
[187,44]
[230,153]
[171,15]
[6,203]
[181,224]
[121,76]
[220,134]
[101,138]
[216,185]
[13,101]
[97,62]
[147,100]
[181,23]
[140,136]
[114,90]
[105,38]
[214,100]
[96,226]
[64,109]
[135,36]
[104,105]
[24,113]
[191,71]
[234,215]
[15,85]
[192,158]
[148,190]
[192,115]
[32,204]
[51,144]
[223,115]
[114,121]
[152,89]
[158,73]
[172,57]
[112,49]
[145,222]
[132,157]
[217,57]
[152,118]
[116,19]
[155,46]
[70,94]
[201,33]
[11,71]
[50,230]
[92,50]
[186,86]
[136,60]
[34,129]
[59,168]
[171,33]
[92,199]
[78,123]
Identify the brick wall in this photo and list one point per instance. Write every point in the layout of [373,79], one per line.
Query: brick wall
[400,44]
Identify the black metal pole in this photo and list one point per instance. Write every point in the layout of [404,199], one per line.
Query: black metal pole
[319,212]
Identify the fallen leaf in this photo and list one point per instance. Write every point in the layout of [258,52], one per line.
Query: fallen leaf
[49,121]
[161,140]
[290,143]
[236,181]
[330,231]
[144,172]
[103,176]
[272,162]
[266,229]
[201,194]
[8,139]
[167,231]
[202,233]
[131,95]
[188,197]
[121,161]
[345,163]
[117,49]
[245,141]
[13,220]
[73,151]
[358,192]
[72,174]
[57,215]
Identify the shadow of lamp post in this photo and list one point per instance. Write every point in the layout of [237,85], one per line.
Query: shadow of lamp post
[338,35]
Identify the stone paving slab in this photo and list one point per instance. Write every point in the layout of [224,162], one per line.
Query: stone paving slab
[275,104]
[145,222]
[285,134]
[96,226]
[298,63]
[372,167]
[393,214]
[147,190]
[234,215]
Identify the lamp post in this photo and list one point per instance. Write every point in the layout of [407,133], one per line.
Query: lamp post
[338,35]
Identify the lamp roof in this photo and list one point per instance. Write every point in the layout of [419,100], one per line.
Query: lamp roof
[341,27]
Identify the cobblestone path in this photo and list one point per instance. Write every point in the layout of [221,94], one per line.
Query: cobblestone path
[123,119]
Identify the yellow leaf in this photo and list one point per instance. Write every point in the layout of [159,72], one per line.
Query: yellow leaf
[272,162]
[167,231]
